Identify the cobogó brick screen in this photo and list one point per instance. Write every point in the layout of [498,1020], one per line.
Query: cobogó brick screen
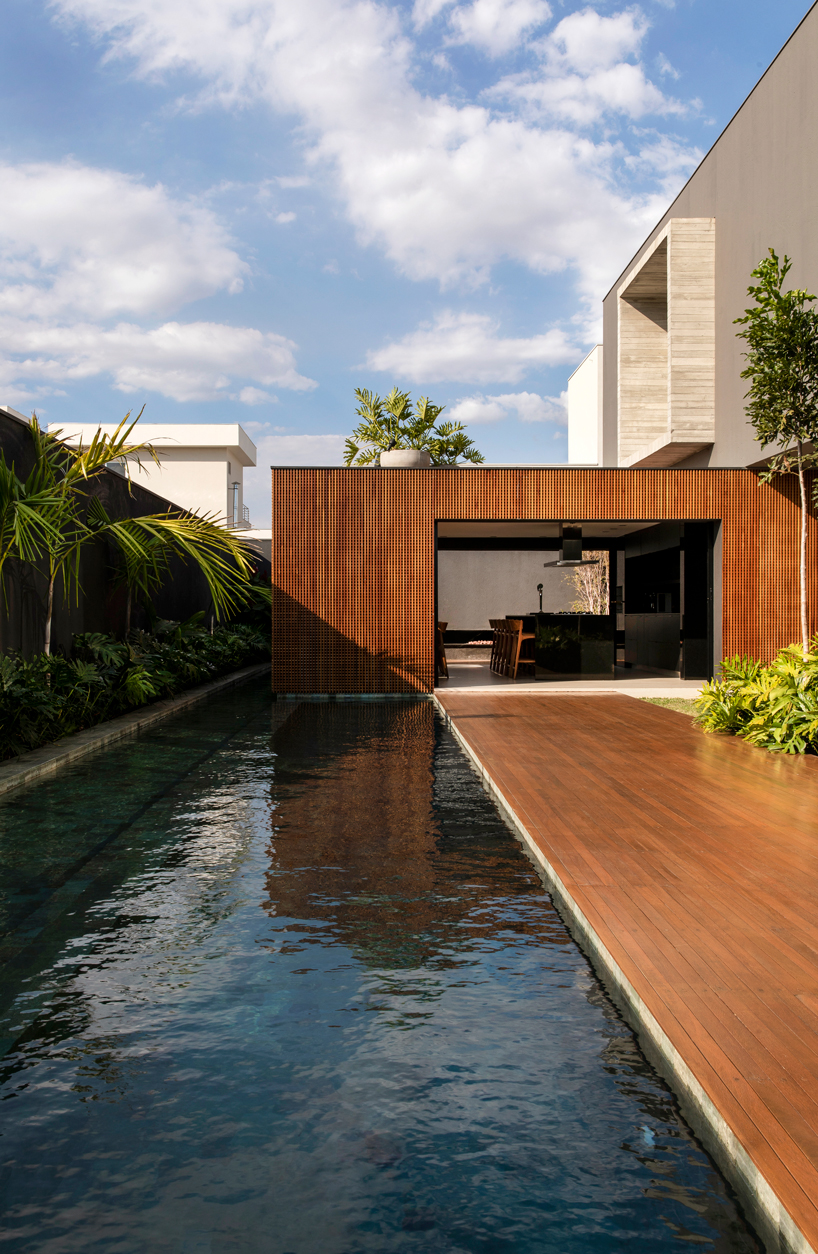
[353,557]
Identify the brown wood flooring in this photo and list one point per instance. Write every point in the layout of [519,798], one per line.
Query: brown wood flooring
[695,859]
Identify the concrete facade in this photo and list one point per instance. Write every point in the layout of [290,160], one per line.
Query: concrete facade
[758,186]
[201,464]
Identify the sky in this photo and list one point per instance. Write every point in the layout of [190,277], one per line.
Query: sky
[242,210]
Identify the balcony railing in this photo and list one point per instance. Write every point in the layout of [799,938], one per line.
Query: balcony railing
[241,523]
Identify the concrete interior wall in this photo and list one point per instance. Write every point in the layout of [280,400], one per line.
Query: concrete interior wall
[474,585]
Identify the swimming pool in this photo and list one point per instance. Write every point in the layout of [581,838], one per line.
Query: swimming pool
[285,982]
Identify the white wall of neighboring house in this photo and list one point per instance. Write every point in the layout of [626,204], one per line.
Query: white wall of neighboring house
[199,464]
[585,410]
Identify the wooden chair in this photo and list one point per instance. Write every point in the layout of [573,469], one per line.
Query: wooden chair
[516,638]
[441,665]
[494,624]
[504,646]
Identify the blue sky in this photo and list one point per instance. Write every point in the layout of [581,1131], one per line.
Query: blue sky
[239,210]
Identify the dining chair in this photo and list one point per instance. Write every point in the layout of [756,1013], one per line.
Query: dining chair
[516,638]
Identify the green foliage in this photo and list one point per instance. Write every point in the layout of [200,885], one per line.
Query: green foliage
[781,333]
[395,423]
[774,707]
[680,705]
[148,542]
[50,696]
[49,516]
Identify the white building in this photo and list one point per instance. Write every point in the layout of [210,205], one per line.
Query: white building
[201,465]
[585,410]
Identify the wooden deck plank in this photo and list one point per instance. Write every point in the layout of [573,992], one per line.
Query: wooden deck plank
[694,861]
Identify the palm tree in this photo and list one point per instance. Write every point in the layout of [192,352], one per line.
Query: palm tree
[147,544]
[50,517]
[29,517]
[66,472]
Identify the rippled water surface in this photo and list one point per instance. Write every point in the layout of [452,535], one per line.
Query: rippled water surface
[278,979]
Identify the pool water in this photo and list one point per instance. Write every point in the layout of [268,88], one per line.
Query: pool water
[277,978]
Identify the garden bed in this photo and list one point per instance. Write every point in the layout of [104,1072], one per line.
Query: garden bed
[48,697]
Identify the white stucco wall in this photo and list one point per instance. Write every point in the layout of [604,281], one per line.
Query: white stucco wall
[199,462]
[585,410]
[475,585]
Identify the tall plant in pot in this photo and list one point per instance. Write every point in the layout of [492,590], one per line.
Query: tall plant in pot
[393,425]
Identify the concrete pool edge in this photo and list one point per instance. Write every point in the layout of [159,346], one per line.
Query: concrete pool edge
[41,763]
[763,1206]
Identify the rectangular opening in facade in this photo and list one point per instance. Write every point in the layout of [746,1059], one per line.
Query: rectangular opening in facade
[666,345]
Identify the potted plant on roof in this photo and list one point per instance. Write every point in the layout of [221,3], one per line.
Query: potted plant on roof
[394,432]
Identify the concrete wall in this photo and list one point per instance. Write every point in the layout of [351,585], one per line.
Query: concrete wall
[474,585]
[760,183]
[585,410]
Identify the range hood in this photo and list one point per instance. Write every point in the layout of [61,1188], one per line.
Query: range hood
[571,547]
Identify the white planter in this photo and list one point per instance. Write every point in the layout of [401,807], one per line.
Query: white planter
[409,458]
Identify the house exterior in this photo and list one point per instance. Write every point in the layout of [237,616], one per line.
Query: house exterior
[354,556]
[585,414]
[672,389]
[702,554]
[201,465]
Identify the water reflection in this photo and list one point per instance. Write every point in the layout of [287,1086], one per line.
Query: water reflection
[302,992]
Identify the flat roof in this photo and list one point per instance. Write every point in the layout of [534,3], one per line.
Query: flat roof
[172,435]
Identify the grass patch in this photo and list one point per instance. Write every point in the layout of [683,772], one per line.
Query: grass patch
[682,705]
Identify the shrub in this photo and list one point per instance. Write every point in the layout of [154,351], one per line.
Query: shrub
[50,696]
[774,707]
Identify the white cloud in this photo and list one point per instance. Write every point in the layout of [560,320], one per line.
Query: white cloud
[467,347]
[285,217]
[527,406]
[444,190]
[300,450]
[587,42]
[256,396]
[665,67]
[425,11]
[584,75]
[98,242]
[79,247]
[496,26]
[197,361]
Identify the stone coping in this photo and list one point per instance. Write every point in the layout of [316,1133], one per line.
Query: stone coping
[28,768]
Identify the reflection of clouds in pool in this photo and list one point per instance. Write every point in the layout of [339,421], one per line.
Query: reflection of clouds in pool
[400,1050]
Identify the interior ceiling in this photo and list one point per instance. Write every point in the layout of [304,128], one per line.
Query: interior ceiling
[547,530]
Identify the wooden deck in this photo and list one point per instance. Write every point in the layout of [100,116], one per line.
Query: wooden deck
[694,860]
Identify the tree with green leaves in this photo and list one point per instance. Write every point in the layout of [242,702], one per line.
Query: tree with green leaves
[394,422]
[66,472]
[781,333]
[147,544]
[29,518]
